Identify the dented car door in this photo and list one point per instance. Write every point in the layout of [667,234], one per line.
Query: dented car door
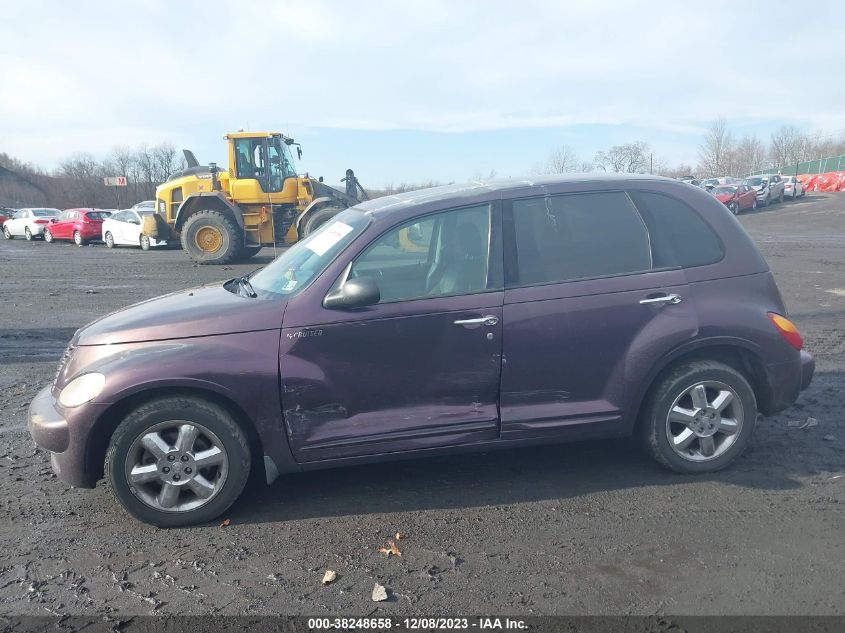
[419,369]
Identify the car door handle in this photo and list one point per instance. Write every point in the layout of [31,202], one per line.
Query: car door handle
[485,320]
[671,298]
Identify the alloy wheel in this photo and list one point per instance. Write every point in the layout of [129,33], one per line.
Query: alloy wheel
[28,234]
[77,238]
[109,240]
[176,466]
[48,236]
[704,421]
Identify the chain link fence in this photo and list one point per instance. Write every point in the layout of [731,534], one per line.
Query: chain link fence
[818,166]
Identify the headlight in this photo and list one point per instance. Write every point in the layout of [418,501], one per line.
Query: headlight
[82,389]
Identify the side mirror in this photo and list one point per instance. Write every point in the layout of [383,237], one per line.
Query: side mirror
[355,293]
[53,220]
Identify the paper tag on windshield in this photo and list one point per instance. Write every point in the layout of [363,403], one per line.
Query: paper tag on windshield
[328,237]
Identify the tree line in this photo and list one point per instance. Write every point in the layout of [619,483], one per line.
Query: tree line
[721,153]
[78,180]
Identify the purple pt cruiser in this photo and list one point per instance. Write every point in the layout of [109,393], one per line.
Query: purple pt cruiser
[459,318]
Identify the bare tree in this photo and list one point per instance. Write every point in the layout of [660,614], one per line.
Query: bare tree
[749,156]
[789,146]
[562,160]
[714,152]
[630,158]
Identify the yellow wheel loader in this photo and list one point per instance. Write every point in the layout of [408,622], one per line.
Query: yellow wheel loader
[220,216]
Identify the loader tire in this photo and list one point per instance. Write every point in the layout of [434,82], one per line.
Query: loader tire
[212,237]
[318,218]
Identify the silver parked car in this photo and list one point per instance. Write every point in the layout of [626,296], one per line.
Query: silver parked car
[769,188]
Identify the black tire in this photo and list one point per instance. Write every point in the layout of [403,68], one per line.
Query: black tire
[780,200]
[230,237]
[754,204]
[318,218]
[734,207]
[145,243]
[77,239]
[28,234]
[176,408]
[7,233]
[48,236]
[652,428]
[249,252]
[108,238]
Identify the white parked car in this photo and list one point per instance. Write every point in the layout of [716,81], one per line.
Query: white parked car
[792,187]
[28,223]
[123,228]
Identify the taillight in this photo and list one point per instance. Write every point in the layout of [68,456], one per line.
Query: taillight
[787,329]
[42,221]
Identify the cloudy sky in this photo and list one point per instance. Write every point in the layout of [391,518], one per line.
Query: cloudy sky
[413,90]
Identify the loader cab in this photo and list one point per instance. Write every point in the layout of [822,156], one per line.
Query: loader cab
[262,162]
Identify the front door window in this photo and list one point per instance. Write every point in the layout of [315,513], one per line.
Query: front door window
[437,256]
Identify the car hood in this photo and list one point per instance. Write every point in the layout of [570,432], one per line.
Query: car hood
[725,197]
[203,311]
[757,187]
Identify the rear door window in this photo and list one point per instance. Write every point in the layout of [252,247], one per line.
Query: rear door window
[578,236]
[679,235]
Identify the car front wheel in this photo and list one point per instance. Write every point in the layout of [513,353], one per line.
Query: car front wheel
[734,207]
[178,461]
[699,418]
[145,243]
[109,239]
[48,236]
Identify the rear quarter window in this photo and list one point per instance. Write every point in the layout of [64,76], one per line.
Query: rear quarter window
[679,235]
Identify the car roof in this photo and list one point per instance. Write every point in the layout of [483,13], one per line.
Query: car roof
[393,202]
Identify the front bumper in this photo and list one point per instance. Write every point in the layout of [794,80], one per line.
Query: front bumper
[52,431]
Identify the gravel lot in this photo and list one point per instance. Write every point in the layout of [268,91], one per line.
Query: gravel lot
[582,528]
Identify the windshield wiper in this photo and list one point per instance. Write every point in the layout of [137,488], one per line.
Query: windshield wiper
[243,282]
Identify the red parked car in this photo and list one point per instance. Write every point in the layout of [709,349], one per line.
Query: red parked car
[79,225]
[5,214]
[736,197]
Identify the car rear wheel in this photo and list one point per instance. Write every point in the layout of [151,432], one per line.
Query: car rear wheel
[48,236]
[28,234]
[699,417]
[109,239]
[178,461]
[754,204]
[145,243]
[7,233]
[77,238]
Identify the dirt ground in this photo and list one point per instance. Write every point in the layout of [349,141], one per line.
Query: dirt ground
[576,529]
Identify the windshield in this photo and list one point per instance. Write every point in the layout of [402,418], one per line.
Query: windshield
[711,181]
[725,191]
[281,162]
[299,265]
[756,182]
[45,213]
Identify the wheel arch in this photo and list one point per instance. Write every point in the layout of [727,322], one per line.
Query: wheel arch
[736,353]
[214,201]
[108,421]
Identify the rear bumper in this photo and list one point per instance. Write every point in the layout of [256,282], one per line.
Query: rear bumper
[808,368]
[785,381]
